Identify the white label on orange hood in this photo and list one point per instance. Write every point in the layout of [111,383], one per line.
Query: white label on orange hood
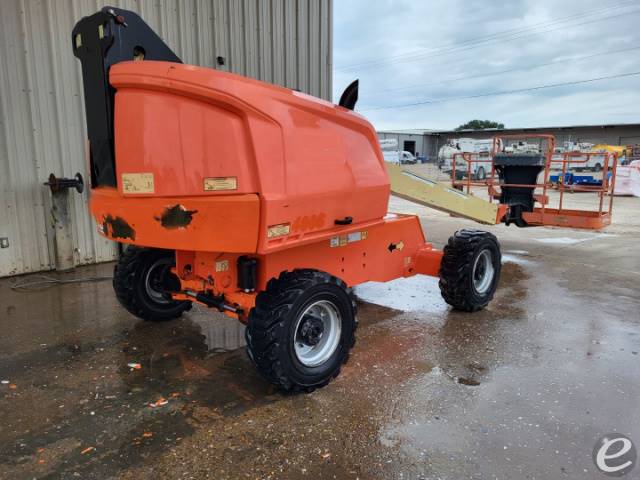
[137,183]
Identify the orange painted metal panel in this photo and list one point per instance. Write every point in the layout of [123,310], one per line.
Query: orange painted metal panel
[379,252]
[182,142]
[217,223]
[311,162]
[568,218]
[388,249]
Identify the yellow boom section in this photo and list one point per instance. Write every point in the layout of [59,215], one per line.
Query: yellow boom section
[426,192]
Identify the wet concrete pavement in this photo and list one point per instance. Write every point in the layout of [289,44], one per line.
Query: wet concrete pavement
[520,390]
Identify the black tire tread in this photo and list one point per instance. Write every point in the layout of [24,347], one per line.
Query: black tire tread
[272,305]
[125,276]
[455,268]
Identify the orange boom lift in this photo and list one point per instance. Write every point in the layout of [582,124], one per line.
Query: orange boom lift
[259,201]
[514,183]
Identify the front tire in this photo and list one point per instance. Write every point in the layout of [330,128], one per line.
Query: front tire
[141,279]
[301,330]
[470,270]
[481,174]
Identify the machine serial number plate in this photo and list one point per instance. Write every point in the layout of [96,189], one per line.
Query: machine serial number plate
[220,183]
[137,183]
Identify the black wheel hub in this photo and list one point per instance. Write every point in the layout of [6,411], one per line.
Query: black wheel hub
[311,330]
[161,282]
[479,273]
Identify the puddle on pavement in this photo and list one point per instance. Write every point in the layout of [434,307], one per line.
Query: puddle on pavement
[87,396]
[417,293]
[512,289]
[197,364]
[574,240]
[513,258]
[201,354]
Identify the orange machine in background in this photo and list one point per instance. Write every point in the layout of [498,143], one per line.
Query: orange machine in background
[259,201]
[520,182]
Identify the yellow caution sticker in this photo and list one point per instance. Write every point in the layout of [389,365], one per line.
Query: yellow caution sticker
[138,183]
[220,183]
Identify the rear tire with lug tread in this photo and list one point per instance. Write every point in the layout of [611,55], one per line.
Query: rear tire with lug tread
[470,270]
[301,330]
[140,279]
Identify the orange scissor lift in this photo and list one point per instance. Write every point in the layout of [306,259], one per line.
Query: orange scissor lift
[520,184]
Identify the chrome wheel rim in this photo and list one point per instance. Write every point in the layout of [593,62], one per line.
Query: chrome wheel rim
[153,280]
[483,271]
[317,333]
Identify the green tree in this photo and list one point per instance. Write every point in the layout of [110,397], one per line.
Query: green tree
[479,125]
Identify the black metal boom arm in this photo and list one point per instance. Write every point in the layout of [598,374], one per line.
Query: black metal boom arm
[101,40]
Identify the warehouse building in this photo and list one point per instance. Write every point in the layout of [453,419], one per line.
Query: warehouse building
[431,140]
[414,141]
[42,124]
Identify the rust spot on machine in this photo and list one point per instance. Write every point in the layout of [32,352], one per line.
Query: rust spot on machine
[176,217]
[117,227]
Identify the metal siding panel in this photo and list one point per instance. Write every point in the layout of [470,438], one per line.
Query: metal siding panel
[325,49]
[170,26]
[303,49]
[250,9]
[204,38]
[236,35]
[278,41]
[26,217]
[264,38]
[220,26]
[189,31]
[69,134]
[8,217]
[314,48]
[42,124]
[291,43]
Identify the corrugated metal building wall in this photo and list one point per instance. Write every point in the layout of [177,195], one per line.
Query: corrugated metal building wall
[42,120]
[430,141]
[402,137]
[609,134]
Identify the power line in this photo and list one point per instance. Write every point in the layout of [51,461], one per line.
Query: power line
[505,92]
[491,74]
[492,39]
[499,40]
[484,38]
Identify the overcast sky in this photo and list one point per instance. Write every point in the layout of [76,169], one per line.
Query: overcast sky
[413,51]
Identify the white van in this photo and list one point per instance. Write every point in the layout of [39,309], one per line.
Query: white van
[479,169]
[399,157]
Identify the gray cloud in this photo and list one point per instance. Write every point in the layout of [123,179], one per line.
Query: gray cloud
[395,44]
